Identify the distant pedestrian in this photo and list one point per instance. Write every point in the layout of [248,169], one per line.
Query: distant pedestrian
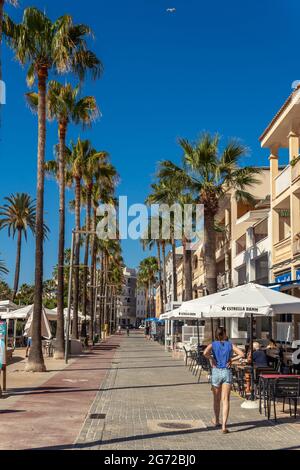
[119,329]
[220,354]
[127,329]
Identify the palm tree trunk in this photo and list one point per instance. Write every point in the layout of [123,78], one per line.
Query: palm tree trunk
[60,331]
[164,271]
[86,254]
[77,259]
[210,266]
[174,267]
[161,290]
[18,262]
[210,253]
[93,276]
[187,263]
[36,360]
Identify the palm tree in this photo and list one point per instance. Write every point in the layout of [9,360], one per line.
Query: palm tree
[11,2]
[82,160]
[149,242]
[18,215]
[147,277]
[5,291]
[98,190]
[95,167]
[172,192]
[46,46]
[210,175]
[3,268]
[64,106]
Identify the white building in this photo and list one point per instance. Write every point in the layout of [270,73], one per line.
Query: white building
[126,305]
[141,305]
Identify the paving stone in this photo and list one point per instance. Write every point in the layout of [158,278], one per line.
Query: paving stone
[146,385]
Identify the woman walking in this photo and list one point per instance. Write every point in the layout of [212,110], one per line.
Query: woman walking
[221,354]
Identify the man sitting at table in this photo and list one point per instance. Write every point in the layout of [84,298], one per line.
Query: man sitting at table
[259,356]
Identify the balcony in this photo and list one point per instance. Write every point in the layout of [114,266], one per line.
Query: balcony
[296,245]
[283,180]
[282,250]
[223,281]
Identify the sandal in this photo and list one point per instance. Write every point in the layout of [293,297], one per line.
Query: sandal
[225,431]
[216,425]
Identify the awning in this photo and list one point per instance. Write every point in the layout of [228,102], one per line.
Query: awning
[284,286]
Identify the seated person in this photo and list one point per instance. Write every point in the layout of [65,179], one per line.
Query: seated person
[272,344]
[259,356]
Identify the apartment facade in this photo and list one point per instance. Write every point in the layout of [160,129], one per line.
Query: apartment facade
[141,305]
[127,302]
[282,137]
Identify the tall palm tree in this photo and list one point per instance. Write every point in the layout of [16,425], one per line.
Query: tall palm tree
[3,268]
[46,46]
[210,174]
[98,190]
[82,159]
[11,2]
[65,106]
[149,242]
[171,191]
[96,167]
[147,277]
[18,215]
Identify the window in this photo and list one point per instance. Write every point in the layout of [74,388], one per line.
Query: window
[240,245]
[195,262]
[262,270]
[242,277]
[243,324]
[260,231]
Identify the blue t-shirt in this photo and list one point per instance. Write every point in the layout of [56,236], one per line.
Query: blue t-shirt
[222,353]
[260,358]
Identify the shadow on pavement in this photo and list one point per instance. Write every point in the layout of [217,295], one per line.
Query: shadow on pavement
[142,437]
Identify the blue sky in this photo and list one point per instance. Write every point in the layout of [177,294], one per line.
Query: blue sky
[217,66]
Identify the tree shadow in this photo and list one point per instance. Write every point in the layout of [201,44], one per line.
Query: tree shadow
[143,437]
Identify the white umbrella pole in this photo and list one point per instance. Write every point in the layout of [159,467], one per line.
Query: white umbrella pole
[252,403]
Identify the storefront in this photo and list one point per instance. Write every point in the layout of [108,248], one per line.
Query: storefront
[286,328]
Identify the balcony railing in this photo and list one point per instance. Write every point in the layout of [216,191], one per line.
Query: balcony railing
[296,247]
[283,180]
[296,171]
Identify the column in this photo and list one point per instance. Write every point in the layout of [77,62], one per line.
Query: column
[227,248]
[274,169]
[250,264]
[293,145]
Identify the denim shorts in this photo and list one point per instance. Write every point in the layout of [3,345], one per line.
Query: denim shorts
[220,377]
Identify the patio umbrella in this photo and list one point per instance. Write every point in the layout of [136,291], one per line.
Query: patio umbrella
[250,300]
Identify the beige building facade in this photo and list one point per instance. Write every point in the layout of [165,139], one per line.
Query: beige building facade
[281,138]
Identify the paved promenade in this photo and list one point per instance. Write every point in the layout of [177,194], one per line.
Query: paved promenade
[151,401]
[128,394]
[46,411]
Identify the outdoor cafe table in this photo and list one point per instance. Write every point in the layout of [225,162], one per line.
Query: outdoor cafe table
[264,384]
